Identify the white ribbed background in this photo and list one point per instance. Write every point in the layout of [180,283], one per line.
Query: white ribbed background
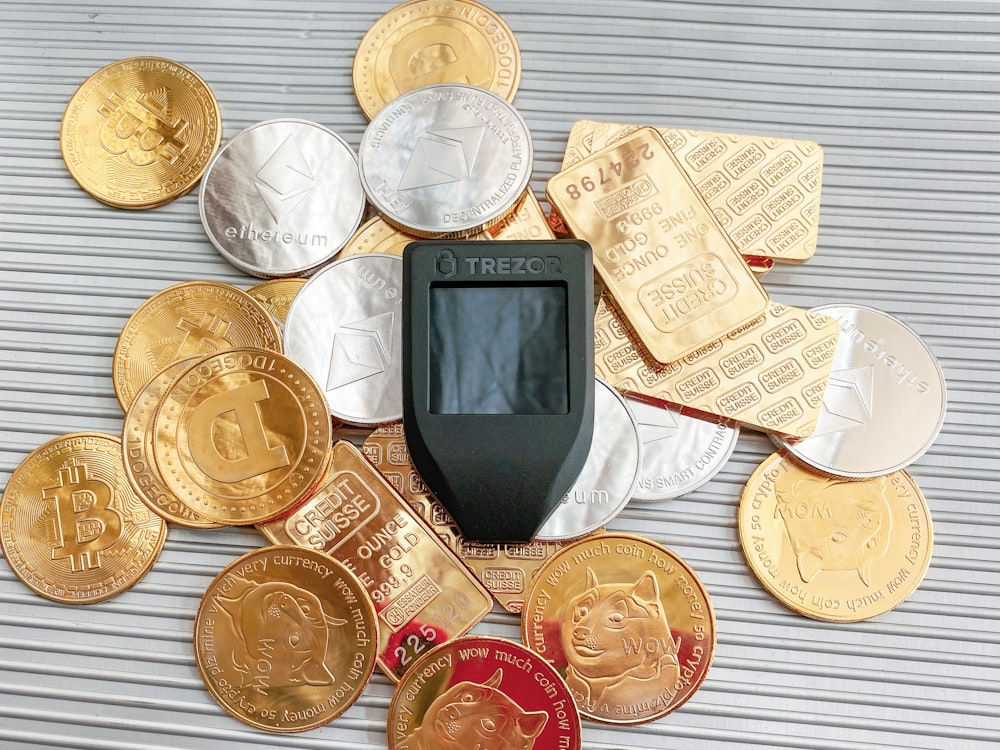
[903,96]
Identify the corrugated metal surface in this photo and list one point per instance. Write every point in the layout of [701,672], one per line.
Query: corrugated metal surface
[902,95]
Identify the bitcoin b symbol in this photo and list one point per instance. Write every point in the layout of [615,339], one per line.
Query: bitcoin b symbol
[204,337]
[138,126]
[87,524]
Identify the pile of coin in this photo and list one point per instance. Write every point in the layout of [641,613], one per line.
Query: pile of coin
[233,400]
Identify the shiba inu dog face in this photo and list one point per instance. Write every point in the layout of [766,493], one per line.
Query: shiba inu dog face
[617,629]
[282,636]
[470,716]
[835,526]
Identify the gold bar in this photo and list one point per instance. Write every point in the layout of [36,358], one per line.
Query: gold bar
[769,374]
[527,223]
[658,248]
[764,191]
[422,593]
[505,570]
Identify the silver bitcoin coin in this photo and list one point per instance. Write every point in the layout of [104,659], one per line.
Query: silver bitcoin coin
[344,329]
[609,474]
[446,160]
[281,198]
[884,403]
[680,453]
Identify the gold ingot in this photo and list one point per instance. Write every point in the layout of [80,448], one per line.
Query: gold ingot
[764,191]
[424,42]
[377,236]
[505,570]
[423,595]
[285,639]
[195,318]
[137,452]
[242,436]
[528,223]
[71,528]
[140,132]
[627,624]
[276,296]
[658,248]
[834,549]
[770,374]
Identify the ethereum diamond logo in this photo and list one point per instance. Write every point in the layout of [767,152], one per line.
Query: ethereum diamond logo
[284,180]
[360,350]
[848,400]
[664,429]
[441,157]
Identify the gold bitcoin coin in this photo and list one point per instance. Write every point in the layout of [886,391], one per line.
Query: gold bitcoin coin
[196,318]
[626,623]
[424,42]
[285,639]
[137,452]
[242,436]
[71,527]
[140,132]
[276,296]
[833,549]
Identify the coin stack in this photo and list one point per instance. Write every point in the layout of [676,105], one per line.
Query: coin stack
[233,400]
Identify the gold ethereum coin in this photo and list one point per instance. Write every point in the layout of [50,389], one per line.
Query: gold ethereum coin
[140,132]
[627,624]
[195,318]
[242,436]
[833,549]
[137,452]
[71,527]
[424,42]
[285,639]
[276,296]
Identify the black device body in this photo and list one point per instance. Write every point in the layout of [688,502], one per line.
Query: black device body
[498,377]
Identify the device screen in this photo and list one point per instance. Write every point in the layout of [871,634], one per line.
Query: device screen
[498,349]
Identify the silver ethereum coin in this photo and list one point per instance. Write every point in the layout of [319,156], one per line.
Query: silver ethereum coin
[608,476]
[281,198]
[446,160]
[885,400]
[680,453]
[344,328]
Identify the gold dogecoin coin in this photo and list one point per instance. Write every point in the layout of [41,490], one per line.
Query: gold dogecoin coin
[626,623]
[137,452]
[285,639]
[72,528]
[196,318]
[140,132]
[833,549]
[242,436]
[276,296]
[423,42]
